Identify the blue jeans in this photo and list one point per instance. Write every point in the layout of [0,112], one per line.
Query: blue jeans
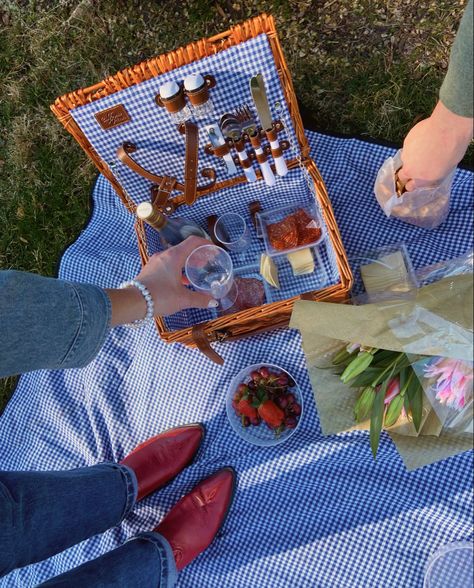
[43,513]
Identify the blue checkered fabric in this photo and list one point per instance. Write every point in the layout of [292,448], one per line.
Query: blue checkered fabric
[313,512]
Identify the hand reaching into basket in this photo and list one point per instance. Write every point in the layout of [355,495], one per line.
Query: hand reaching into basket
[163,278]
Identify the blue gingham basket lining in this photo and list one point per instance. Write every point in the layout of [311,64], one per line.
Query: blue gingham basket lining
[161,150]
[293,190]
[160,146]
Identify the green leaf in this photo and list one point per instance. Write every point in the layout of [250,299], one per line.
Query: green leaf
[401,362]
[260,393]
[366,378]
[384,358]
[415,397]
[376,418]
[393,411]
[364,403]
[403,380]
[357,366]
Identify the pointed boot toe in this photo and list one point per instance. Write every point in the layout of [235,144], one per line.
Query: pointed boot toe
[158,460]
[195,520]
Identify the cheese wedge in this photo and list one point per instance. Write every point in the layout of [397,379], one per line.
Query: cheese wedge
[301,261]
[269,270]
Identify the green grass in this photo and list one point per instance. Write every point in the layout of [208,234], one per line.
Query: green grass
[358,65]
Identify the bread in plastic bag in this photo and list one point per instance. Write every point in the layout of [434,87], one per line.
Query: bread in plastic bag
[424,207]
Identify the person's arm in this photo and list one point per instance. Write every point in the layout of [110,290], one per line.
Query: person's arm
[53,324]
[434,147]
[437,144]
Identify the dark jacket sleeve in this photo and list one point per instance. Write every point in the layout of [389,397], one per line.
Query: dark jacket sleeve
[49,323]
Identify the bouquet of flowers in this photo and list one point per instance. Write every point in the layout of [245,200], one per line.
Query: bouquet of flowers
[403,365]
[390,387]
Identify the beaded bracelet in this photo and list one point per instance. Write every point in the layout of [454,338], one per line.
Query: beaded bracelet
[150,307]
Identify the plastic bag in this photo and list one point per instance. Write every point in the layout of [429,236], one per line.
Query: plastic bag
[446,269]
[424,207]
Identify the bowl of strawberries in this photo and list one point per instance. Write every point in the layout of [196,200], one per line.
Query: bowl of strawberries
[264,404]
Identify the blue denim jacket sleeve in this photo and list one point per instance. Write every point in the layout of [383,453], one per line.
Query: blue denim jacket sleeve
[49,323]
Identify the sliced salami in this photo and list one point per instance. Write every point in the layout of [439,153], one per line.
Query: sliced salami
[251,293]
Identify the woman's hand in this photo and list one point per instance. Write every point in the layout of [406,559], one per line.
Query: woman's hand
[434,147]
[163,278]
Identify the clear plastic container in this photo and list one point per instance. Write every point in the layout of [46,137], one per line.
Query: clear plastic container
[380,274]
[276,215]
[260,435]
[450,567]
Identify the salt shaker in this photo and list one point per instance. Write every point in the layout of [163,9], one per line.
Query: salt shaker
[173,99]
[197,90]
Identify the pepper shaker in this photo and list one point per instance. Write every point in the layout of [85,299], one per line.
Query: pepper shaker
[172,98]
[197,90]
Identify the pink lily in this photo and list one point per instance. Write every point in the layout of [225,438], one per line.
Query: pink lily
[393,389]
[454,381]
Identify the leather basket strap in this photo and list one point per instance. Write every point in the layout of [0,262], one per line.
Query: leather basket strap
[202,343]
[165,184]
[124,155]
[191,162]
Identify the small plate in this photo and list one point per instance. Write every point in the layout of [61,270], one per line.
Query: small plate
[260,435]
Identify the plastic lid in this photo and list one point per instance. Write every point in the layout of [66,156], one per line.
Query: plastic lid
[169,90]
[193,82]
[450,566]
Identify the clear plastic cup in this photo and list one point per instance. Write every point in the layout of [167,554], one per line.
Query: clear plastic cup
[232,231]
[450,566]
[209,269]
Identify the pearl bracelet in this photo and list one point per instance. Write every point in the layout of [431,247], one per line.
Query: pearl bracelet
[150,307]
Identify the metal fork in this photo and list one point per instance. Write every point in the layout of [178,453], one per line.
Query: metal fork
[245,117]
[249,126]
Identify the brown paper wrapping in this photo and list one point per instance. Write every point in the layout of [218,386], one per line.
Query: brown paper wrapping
[438,321]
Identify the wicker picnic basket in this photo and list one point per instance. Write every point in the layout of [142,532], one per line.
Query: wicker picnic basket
[244,42]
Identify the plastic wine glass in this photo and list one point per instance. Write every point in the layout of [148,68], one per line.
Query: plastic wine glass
[232,231]
[209,269]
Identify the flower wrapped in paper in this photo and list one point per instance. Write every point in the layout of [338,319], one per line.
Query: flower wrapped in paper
[388,363]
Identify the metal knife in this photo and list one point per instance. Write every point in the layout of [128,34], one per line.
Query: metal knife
[259,95]
[217,140]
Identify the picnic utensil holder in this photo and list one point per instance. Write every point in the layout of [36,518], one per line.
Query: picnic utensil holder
[122,109]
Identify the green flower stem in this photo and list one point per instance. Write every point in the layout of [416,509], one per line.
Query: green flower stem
[391,366]
[407,383]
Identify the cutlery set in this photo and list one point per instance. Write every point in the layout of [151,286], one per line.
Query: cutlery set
[235,127]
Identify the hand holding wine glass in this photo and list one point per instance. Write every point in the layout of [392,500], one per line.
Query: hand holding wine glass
[163,277]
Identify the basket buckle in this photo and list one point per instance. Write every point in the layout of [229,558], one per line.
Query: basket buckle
[161,194]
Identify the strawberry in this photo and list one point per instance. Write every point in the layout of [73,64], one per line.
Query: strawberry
[246,409]
[271,413]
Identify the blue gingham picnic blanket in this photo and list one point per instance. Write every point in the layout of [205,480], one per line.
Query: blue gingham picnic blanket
[312,512]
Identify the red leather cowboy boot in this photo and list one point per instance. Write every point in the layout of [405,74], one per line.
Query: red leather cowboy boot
[159,459]
[194,521]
